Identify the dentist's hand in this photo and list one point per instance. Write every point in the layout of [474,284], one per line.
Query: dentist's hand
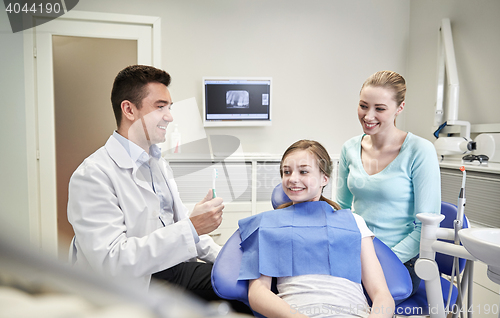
[207,214]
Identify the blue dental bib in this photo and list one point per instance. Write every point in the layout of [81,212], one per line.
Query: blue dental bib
[305,238]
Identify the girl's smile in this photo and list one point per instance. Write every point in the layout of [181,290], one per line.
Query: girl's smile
[302,179]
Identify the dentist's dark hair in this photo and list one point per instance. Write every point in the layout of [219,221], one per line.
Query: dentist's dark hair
[130,84]
[323,159]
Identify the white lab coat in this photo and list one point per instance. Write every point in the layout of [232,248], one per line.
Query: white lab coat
[115,216]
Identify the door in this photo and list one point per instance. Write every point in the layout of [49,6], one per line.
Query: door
[41,135]
[84,70]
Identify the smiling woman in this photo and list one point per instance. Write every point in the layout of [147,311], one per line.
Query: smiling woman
[390,170]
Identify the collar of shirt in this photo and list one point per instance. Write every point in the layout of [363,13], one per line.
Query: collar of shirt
[140,157]
[136,153]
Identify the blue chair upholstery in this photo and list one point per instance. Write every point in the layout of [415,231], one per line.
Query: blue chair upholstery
[396,275]
[226,268]
[279,196]
[417,304]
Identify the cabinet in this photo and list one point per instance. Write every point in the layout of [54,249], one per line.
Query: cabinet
[482,192]
[486,294]
[245,184]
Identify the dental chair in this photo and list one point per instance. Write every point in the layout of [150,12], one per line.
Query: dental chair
[226,268]
[417,304]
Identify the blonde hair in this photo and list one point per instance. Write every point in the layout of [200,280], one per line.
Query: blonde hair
[323,159]
[391,80]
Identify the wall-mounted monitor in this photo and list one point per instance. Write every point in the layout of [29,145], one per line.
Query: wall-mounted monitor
[237,101]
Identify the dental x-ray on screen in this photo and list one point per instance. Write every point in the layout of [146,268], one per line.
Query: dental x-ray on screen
[234,101]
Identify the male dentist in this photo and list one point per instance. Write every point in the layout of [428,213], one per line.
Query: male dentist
[124,206]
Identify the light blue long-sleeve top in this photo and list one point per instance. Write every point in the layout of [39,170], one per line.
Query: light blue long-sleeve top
[389,200]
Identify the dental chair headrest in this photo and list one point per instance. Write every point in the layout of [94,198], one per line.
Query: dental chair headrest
[279,197]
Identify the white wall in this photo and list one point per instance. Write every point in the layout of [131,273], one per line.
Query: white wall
[318,53]
[476,35]
[13,174]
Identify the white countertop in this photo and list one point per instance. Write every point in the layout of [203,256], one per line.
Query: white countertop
[491,167]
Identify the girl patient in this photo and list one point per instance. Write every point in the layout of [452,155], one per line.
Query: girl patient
[319,253]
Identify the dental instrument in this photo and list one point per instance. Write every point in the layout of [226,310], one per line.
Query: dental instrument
[458,225]
[460,206]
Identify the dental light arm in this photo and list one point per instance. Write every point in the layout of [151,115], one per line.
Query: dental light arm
[447,72]
[447,68]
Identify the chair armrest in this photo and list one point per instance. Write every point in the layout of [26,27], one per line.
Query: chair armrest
[396,274]
[226,270]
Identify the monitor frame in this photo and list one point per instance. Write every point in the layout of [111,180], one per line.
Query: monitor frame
[236,122]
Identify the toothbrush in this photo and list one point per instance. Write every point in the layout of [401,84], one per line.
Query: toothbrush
[215,174]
